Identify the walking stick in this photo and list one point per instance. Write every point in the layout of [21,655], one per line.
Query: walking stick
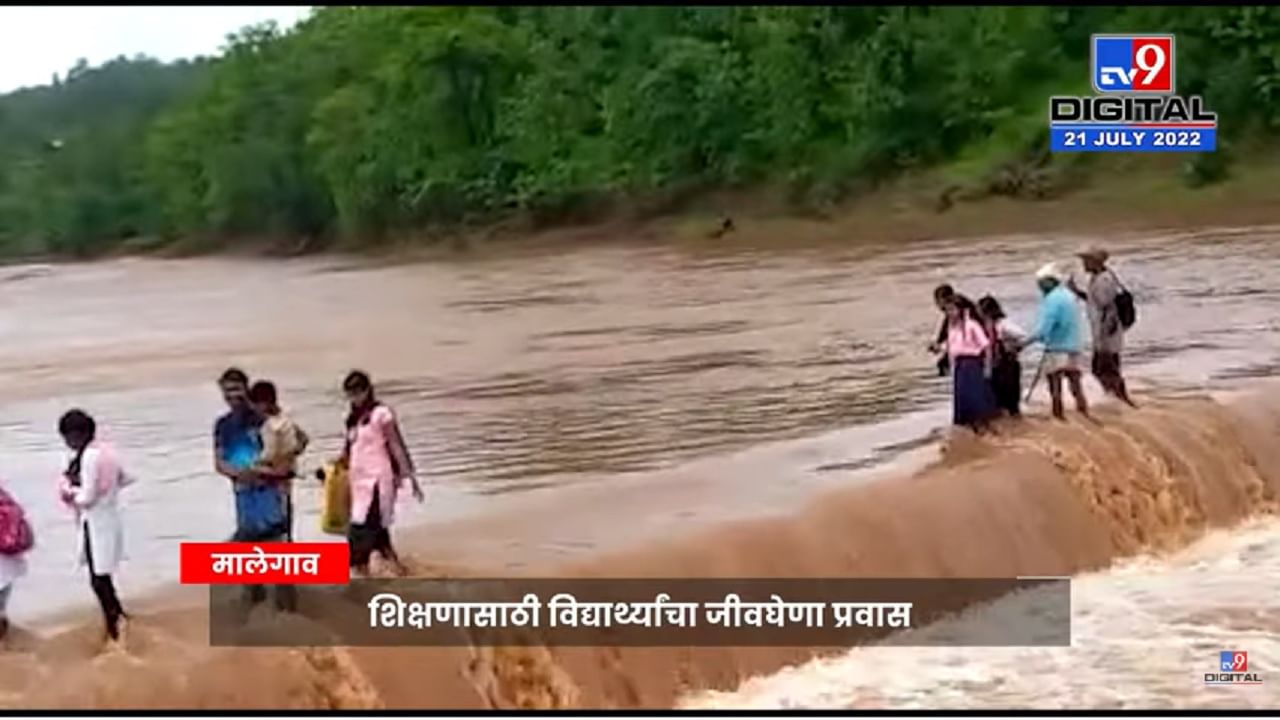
[1036,379]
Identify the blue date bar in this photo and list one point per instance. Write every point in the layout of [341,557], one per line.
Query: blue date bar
[1098,137]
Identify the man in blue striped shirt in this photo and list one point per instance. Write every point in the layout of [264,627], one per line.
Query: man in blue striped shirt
[1058,328]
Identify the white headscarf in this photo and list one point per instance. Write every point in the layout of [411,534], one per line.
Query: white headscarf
[1049,272]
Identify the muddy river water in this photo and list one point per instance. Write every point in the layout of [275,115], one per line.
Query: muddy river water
[522,375]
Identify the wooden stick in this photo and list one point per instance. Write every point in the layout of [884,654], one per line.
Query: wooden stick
[1035,380]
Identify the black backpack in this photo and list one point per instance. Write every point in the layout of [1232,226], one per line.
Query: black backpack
[1125,308]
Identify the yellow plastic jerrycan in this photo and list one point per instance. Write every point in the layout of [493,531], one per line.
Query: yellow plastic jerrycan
[336,513]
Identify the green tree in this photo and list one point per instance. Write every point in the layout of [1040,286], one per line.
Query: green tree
[364,120]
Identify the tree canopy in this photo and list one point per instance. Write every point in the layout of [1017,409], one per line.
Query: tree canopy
[364,120]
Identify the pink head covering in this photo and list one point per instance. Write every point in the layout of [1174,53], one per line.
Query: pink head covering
[107,472]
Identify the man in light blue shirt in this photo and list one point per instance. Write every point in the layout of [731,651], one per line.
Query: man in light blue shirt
[1058,328]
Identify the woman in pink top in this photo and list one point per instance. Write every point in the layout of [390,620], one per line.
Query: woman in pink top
[973,402]
[378,463]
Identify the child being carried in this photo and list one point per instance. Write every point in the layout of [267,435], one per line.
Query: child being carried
[283,442]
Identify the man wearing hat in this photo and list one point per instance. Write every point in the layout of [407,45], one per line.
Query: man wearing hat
[1058,328]
[1104,321]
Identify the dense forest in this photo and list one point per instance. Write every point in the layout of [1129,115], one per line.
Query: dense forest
[362,121]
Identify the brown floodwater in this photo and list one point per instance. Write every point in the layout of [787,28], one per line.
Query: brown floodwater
[1145,633]
[571,365]
[773,369]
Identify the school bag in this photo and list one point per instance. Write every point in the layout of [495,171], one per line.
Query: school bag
[1125,308]
[16,536]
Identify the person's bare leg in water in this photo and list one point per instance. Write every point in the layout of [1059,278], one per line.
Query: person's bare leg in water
[389,554]
[1119,387]
[1107,370]
[359,561]
[397,567]
[983,428]
[104,589]
[4,617]
[1077,391]
[1122,392]
[1055,394]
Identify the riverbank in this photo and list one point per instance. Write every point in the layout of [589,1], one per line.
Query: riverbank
[1112,194]
[1042,499]
[1108,194]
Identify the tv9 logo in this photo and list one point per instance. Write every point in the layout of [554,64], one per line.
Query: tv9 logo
[1233,669]
[1132,63]
[1233,661]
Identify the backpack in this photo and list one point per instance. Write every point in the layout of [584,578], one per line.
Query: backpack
[1125,308]
[15,532]
[1003,353]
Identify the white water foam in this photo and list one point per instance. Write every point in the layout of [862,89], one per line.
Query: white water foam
[1144,633]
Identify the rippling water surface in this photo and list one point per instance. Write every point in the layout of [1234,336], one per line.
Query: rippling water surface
[533,372]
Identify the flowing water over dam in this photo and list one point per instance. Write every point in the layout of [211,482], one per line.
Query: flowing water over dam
[1145,632]
[615,389]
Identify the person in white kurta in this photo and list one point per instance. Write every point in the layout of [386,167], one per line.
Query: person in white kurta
[97,506]
[91,486]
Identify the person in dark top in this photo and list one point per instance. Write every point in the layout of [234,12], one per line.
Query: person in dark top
[261,514]
[236,442]
[1006,370]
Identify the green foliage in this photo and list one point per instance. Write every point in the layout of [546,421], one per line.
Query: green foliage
[364,120]
[71,159]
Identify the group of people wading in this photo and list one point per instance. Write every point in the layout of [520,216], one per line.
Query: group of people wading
[980,346]
[256,447]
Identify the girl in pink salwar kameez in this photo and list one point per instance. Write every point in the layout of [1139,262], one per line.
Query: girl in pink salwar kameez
[378,463]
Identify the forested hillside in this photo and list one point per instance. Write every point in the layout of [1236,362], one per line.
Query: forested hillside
[361,121]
